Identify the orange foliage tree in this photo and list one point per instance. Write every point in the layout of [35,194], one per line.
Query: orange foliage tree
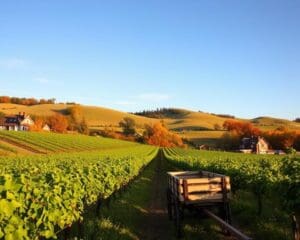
[4,99]
[236,131]
[281,138]
[242,129]
[158,135]
[38,125]
[58,123]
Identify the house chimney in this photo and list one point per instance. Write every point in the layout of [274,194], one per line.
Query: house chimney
[19,113]
[23,114]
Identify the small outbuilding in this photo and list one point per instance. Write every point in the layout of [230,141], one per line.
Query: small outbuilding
[46,128]
[256,145]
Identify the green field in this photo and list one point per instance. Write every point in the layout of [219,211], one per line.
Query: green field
[44,193]
[54,142]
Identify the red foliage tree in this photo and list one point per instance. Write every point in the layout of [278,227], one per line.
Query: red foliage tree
[281,138]
[4,99]
[242,129]
[58,123]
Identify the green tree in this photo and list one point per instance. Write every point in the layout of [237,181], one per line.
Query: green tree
[83,127]
[128,126]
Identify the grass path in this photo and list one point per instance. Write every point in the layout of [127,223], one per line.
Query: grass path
[139,213]
[156,224]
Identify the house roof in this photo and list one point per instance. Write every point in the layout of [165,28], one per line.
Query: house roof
[12,120]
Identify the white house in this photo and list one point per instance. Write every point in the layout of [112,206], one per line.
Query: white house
[19,122]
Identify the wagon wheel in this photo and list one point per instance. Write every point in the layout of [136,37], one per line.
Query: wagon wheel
[228,212]
[225,213]
[169,204]
[178,213]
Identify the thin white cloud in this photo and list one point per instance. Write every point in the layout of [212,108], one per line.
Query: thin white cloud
[13,63]
[154,97]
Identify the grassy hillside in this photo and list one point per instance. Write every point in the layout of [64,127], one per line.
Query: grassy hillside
[268,123]
[195,126]
[194,121]
[95,116]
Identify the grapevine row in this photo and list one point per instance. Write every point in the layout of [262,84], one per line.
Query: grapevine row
[43,194]
[260,174]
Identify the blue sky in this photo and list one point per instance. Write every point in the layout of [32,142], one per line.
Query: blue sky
[237,57]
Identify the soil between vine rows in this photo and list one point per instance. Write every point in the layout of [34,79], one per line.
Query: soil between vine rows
[140,212]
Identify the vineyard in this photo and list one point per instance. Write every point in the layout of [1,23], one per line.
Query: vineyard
[264,176]
[43,194]
[53,142]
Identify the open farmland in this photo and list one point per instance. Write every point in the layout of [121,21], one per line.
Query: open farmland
[265,187]
[88,181]
[191,124]
[44,194]
[54,142]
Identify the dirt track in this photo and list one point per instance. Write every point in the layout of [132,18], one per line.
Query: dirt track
[156,225]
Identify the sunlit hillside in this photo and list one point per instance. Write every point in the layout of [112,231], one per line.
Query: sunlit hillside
[198,127]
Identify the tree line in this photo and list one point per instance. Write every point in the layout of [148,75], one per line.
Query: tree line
[29,101]
[162,113]
[26,101]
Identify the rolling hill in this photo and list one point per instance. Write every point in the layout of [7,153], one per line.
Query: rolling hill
[195,126]
[95,116]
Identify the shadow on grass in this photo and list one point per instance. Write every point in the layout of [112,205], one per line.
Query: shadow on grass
[273,224]
[119,217]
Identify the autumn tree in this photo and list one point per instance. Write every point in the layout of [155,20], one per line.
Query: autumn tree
[25,101]
[83,128]
[76,113]
[242,129]
[236,131]
[217,127]
[38,125]
[76,119]
[128,126]
[58,123]
[281,138]
[43,101]
[158,135]
[4,99]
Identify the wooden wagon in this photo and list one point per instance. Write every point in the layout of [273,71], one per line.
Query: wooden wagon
[201,191]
